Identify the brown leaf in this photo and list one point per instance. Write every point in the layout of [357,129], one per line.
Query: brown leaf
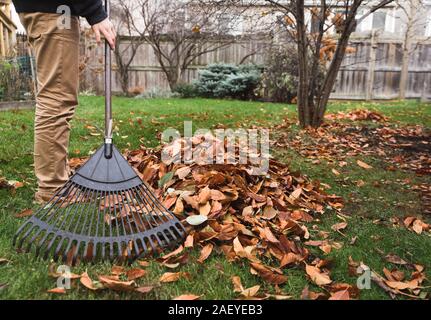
[204,195]
[206,252]
[317,276]
[144,263]
[189,243]
[250,292]
[268,275]
[310,295]
[402,285]
[270,236]
[269,213]
[237,285]
[340,295]
[117,285]
[392,258]
[179,206]
[217,195]
[408,221]
[4,261]
[117,270]
[173,253]
[87,282]
[364,165]
[135,274]
[204,210]
[247,211]
[25,213]
[290,258]
[144,290]
[182,173]
[339,226]
[173,277]
[57,291]
[296,194]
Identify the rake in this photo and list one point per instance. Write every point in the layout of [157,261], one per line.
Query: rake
[104,212]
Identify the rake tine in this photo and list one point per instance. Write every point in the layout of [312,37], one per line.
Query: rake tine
[72,225]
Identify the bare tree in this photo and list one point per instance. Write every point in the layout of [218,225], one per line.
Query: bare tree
[317,48]
[413,18]
[181,31]
[128,43]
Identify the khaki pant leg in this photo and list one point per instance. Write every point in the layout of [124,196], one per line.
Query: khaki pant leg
[57,62]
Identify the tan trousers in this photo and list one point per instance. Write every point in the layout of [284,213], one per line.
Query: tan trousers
[57,62]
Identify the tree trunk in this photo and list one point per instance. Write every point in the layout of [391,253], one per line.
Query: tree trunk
[407,47]
[303,105]
[331,76]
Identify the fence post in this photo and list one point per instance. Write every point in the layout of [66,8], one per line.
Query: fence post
[2,41]
[371,67]
[424,95]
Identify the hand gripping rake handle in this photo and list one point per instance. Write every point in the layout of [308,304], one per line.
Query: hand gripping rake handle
[108,94]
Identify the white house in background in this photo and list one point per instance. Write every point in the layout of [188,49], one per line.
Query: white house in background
[393,19]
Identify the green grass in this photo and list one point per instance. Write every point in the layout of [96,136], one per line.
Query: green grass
[140,121]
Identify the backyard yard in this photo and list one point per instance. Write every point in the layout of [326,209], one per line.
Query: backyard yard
[378,194]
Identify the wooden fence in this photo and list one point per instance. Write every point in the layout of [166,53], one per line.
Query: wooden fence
[146,73]
[374,71]
[371,72]
[7,28]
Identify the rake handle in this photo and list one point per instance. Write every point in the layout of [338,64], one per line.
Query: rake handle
[108,93]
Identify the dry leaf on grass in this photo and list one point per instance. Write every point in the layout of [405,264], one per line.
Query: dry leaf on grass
[24,214]
[134,274]
[173,276]
[144,263]
[268,274]
[117,285]
[237,285]
[57,291]
[206,252]
[339,226]
[317,276]
[364,165]
[88,283]
[340,295]
[144,290]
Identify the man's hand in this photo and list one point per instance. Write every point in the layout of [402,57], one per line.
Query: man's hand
[107,29]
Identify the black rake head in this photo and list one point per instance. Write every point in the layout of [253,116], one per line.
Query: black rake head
[104,212]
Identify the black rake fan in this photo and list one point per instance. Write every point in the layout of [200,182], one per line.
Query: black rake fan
[104,212]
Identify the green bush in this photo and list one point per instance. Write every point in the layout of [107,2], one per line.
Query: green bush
[281,75]
[228,81]
[280,78]
[186,90]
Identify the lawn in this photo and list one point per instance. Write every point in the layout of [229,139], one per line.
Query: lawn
[369,208]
